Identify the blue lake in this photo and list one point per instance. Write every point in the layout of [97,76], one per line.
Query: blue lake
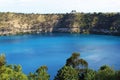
[52,50]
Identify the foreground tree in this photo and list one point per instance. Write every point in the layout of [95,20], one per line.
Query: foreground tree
[117,75]
[105,73]
[67,73]
[76,62]
[90,75]
[10,72]
[75,68]
[40,74]
[2,60]
[31,76]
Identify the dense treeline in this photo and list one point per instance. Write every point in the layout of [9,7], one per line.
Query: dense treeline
[97,23]
[75,68]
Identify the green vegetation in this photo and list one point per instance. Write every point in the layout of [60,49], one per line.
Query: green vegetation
[74,69]
[95,23]
[14,72]
[77,69]
[10,72]
[67,73]
[40,74]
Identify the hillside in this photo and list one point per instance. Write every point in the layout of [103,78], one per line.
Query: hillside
[87,23]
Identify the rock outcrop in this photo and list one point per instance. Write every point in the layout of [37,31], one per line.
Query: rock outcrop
[96,23]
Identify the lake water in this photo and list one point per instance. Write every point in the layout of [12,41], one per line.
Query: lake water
[52,50]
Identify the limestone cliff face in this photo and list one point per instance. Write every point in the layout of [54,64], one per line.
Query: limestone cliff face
[97,23]
[13,23]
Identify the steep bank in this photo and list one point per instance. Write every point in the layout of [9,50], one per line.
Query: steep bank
[95,23]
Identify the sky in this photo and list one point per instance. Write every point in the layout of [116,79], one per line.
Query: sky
[59,6]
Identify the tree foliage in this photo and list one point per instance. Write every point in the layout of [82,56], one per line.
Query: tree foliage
[90,75]
[105,73]
[2,60]
[67,73]
[40,74]
[75,68]
[76,62]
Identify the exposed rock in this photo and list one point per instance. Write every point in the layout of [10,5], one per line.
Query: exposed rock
[101,23]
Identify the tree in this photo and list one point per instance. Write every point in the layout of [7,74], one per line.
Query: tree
[40,74]
[17,68]
[105,73]
[10,72]
[76,62]
[90,75]
[31,76]
[74,69]
[117,75]
[67,73]
[2,60]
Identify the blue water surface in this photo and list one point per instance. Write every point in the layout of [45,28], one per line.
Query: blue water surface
[52,50]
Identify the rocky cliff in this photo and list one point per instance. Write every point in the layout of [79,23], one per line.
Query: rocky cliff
[95,23]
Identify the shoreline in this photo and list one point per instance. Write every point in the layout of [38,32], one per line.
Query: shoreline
[32,33]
